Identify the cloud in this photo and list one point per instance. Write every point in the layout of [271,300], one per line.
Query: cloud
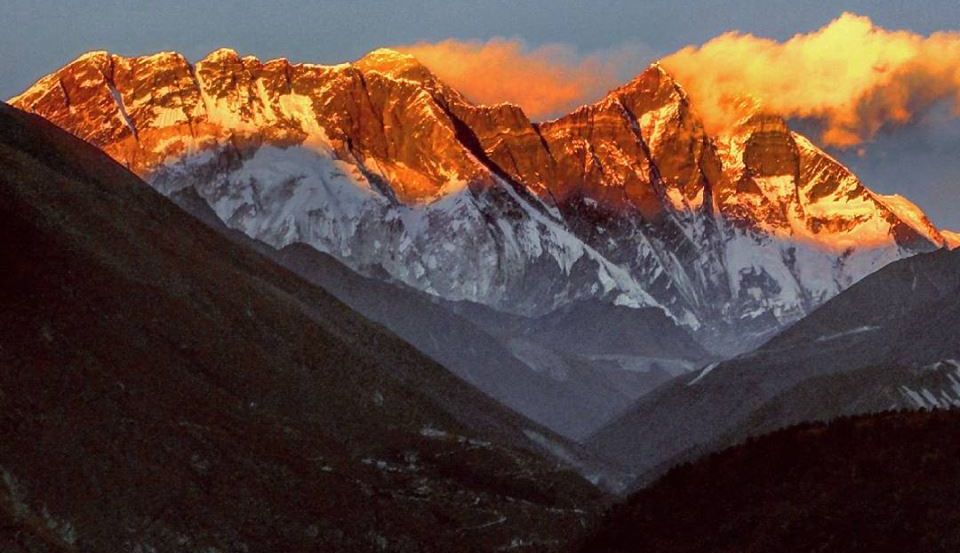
[851,76]
[545,81]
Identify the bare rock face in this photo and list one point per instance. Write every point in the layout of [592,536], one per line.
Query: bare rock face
[635,148]
[625,200]
[770,150]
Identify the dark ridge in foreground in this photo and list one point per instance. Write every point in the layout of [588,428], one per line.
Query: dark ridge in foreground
[887,482]
[165,389]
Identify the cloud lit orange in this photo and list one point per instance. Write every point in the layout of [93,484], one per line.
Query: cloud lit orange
[545,81]
[851,75]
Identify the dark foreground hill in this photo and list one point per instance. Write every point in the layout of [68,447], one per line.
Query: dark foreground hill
[877,483]
[165,389]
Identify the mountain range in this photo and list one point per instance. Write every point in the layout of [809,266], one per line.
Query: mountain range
[377,162]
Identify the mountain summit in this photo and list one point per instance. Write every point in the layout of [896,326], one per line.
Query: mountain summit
[627,200]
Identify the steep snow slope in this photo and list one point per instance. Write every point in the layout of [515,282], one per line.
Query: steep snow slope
[494,246]
[572,393]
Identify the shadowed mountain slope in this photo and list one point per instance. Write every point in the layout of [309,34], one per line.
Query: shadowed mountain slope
[890,341]
[569,393]
[164,388]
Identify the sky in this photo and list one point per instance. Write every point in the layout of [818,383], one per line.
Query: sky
[612,39]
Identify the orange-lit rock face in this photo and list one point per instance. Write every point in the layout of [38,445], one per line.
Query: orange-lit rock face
[633,147]
[770,150]
[148,110]
[616,151]
[777,182]
[510,142]
[78,98]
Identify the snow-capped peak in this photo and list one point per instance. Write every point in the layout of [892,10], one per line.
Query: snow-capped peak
[394,64]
